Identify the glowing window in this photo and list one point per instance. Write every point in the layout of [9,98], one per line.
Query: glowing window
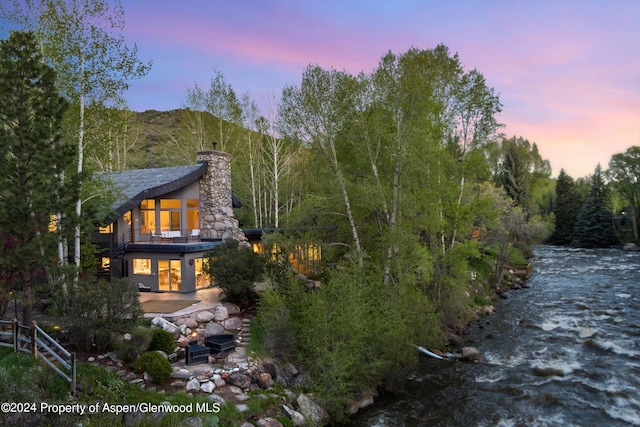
[142,266]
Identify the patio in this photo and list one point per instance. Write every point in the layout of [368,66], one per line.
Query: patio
[203,299]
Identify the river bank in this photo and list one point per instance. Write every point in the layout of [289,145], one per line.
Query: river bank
[561,352]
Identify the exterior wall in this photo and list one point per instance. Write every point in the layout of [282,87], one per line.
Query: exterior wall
[187,269]
[192,191]
[217,220]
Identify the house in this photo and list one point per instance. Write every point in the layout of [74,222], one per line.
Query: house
[166,220]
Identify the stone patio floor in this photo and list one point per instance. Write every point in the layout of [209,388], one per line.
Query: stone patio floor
[208,299]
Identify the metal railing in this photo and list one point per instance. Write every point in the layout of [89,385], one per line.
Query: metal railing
[32,339]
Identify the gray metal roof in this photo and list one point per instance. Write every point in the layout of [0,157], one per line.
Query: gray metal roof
[135,185]
[139,184]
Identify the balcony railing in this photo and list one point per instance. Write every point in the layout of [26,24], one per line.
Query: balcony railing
[169,236]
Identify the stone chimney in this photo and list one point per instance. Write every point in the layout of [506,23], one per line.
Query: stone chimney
[217,220]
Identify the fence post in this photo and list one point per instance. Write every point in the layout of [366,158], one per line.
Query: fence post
[15,335]
[73,373]
[34,346]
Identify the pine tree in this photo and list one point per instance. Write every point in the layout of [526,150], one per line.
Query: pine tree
[566,209]
[32,156]
[594,226]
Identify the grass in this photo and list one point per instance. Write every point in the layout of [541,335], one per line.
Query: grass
[26,380]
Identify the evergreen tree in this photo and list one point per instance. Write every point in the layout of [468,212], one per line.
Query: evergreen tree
[515,172]
[594,226]
[32,156]
[566,209]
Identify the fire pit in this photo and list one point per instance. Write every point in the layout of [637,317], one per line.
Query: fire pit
[220,343]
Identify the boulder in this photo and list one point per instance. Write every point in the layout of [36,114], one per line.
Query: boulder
[287,374]
[207,387]
[214,328]
[455,340]
[365,400]
[470,354]
[240,380]
[232,324]
[162,323]
[296,417]
[218,381]
[193,384]
[632,247]
[268,422]
[220,313]
[265,381]
[312,412]
[204,316]
[217,399]
[232,308]
[192,422]
[187,321]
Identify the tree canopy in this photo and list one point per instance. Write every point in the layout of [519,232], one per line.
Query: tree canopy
[33,156]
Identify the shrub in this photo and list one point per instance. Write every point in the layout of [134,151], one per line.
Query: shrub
[99,311]
[155,365]
[235,270]
[130,350]
[162,340]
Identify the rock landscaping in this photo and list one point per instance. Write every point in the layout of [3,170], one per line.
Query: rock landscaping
[228,378]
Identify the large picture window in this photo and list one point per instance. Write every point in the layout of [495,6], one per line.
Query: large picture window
[142,266]
[148,216]
[170,212]
[193,215]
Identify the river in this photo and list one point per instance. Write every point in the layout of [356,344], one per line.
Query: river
[563,352]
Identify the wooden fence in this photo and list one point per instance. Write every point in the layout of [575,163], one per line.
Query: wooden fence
[32,339]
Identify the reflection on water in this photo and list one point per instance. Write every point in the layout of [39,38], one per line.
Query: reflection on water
[564,352]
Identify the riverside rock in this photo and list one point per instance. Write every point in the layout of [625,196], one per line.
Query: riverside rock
[470,354]
[296,417]
[312,412]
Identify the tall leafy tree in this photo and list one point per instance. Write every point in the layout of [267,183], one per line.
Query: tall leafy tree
[316,113]
[221,101]
[624,169]
[80,39]
[33,154]
[594,226]
[566,209]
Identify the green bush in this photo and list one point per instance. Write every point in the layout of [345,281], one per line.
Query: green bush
[162,340]
[155,365]
[99,311]
[130,350]
[235,269]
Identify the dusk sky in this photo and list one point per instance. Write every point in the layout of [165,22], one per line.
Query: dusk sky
[567,71]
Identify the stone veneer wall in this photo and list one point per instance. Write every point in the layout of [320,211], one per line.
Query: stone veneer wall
[217,220]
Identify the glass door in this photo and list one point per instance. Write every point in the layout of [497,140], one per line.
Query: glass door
[169,275]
